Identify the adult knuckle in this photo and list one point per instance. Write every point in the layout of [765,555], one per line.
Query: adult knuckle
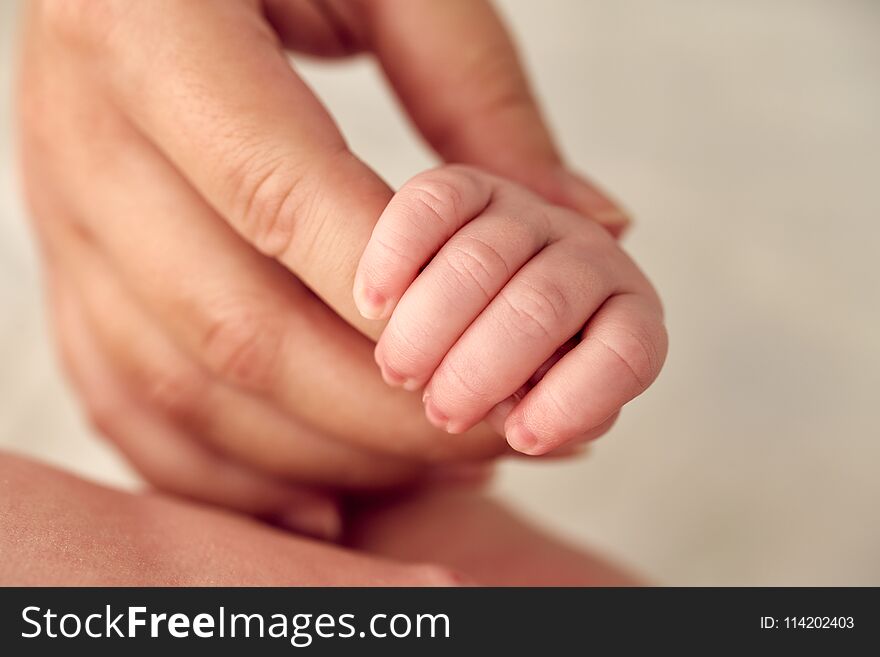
[267,202]
[506,97]
[503,86]
[176,390]
[242,347]
[503,92]
[65,15]
[101,414]
[273,198]
[80,22]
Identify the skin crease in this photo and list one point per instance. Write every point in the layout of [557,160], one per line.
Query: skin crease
[171,146]
[102,165]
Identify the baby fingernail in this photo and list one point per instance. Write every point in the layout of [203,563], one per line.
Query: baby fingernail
[392,377]
[371,304]
[434,415]
[411,385]
[522,440]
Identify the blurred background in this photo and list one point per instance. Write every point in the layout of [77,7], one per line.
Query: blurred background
[745,138]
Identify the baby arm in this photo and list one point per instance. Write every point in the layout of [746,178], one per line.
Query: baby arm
[496,299]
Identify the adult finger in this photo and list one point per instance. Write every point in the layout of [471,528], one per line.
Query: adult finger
[455,68]
[230,421]
[168,458]
[210,85]
[237,313]
[110,538]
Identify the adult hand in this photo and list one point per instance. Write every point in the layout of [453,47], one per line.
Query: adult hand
[179,171]
[58,530]
[490,544]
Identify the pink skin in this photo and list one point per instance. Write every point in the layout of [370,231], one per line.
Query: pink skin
[483,284]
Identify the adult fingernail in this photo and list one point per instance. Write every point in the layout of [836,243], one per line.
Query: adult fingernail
[566,451]
[589,200]
[614,220]
[522,440]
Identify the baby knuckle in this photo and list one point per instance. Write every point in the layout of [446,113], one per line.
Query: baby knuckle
[475,264]
[243,347]
[395,246]
[402,352]
[463,382]
[442,192]
[537,310]
[433,198]
[639,350]
[567,414]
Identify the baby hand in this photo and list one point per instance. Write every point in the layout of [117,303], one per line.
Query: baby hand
[499,300]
